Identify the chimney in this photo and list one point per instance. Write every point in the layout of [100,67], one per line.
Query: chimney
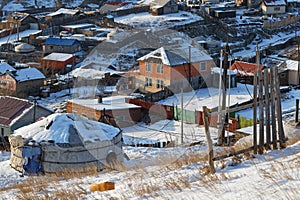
[100,100]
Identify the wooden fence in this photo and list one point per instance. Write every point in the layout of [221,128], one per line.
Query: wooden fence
[282,23]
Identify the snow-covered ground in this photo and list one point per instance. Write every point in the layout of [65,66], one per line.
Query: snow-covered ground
[209,97]
[169,173]
[147,20]
[14,37]
[18,5]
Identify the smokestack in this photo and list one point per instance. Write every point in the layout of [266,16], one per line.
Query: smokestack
[100,100]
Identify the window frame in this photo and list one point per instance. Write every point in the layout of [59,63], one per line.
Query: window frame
[159,68]
[148,67]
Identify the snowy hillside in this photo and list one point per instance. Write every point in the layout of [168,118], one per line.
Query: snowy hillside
[16,5]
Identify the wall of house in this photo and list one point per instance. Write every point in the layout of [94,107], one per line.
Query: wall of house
[4,131]
[176,76]
[47,48]
[49,66]
[7,85]
[29,88]
[292,77]
[272,9]
[121,117]
[28,117]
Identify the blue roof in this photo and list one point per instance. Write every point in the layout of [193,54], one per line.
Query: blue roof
[61,41]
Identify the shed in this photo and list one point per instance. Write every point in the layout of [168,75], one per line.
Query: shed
[61,45]
[56,62]
[63,142]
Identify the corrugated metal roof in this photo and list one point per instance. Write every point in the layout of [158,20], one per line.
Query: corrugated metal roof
[60,41]
[5,67]
[11,108]
[245,67]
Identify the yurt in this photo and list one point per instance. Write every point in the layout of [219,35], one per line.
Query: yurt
[24,48]
[65,141]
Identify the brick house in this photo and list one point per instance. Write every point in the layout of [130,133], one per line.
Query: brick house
[270,7]
[61,45]
[20,113]
[161,7]
[21,83]
[175,67]
[112,110]
[57,62]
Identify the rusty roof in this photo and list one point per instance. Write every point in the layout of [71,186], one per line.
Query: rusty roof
[245,67]
[12,108]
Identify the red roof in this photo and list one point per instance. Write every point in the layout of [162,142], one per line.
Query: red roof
[244,67]
[11,108]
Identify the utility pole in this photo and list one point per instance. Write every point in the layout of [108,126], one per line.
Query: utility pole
[181,116]
[219,106]
[209,141]
[190,63]
[298,60]
[261,109]
[223,109]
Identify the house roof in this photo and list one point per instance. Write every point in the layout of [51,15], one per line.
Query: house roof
[245,67]
[11,109]
[58,56]
[292,65]
[5,67]
[274,2]
[64,11]
[19,16]
[177,55]
[109,103]
[27,74]
[159,3]
[60,41]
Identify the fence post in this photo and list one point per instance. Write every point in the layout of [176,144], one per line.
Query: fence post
[267,108]
[297,111]
[273,115]
[209,141]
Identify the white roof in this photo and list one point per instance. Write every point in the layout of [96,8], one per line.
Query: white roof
[79,26]
[274,2]
[57,127]
[63,11]
[5,67]
[109,103]
[178,54]
[292,65]
[28,74]
[229,72]
[58,56]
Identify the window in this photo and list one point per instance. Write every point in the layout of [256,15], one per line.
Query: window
[148,81]
[149,67]
[2,132]
[159,83]
[277,9]
[203,66]
[159,68]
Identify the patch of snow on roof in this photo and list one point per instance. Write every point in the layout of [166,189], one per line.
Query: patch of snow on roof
[5,67]
[58,56]
[56,127]
[28,74]
[292,65]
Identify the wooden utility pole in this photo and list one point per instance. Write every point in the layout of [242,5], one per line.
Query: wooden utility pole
[209,141]
[224,81]
[267,108]
[255,103]
[278,109]
[255,114]
[297,111]
[220,101]
[181,116]
[261,108]
[273,109]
